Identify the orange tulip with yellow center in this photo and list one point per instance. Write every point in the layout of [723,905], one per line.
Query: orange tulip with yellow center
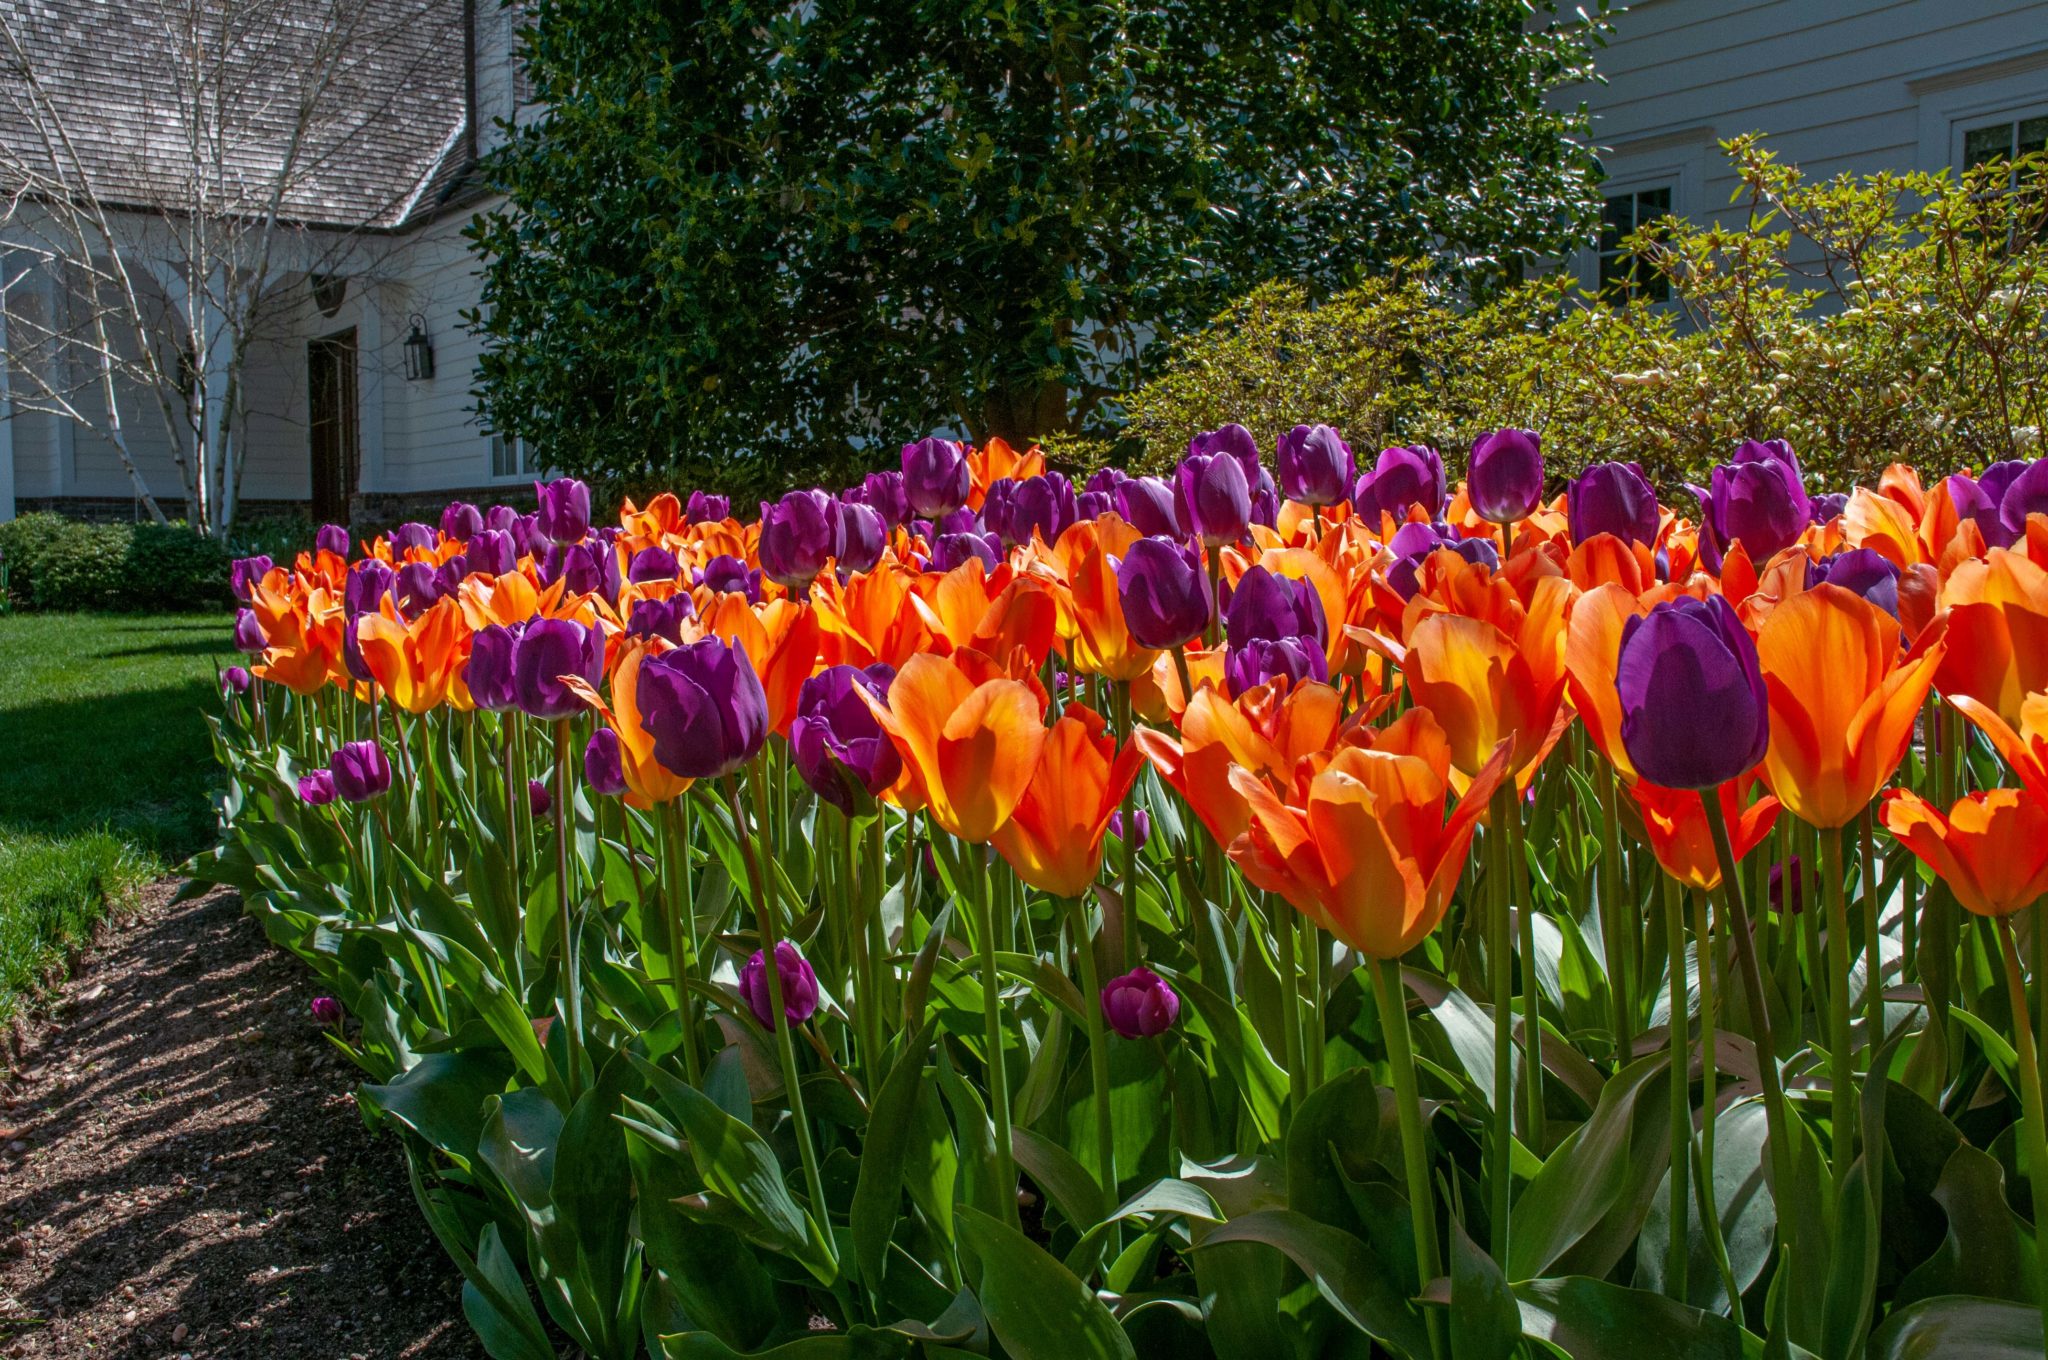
[2026,749]
[974,747]
[1486,684]
[415,663]
[1843,701]
[1997,632]
[1592,654]
[1267,730]
[1099,642]
[1991,847]
[303,632]
[1674,826]
[870,618]
[1363,847]
[1054,838]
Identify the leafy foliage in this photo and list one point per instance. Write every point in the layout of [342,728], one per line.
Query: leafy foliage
[59,563]
[748,242]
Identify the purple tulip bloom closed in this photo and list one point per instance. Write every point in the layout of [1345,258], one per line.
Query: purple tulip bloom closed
[249,639]
[1862,571]
[1294,659]
[587,568]
[1314,465]
[1093,505]
[412,536]
[1828,506]
[1165,600]
[704,707]
[887,493]
[235,680]
[1401,477]
[361,771]
[1212,501]
[864,536]
[332,538]
[653,564]
[799,534]
[564,514]
[1265,501]
[2027,494]
[951,550]
[996,503]
[704,508]
[489,670]
[1044,506]
[547,650]
[604,763]
[352,650]
[1694,710]
[1757,499]
[1505,479]
[839,748]
[1141,824]
[1235,441]
[538,800]
[492,553]
[1147,502]
[651,618]
[1140,1004]
[1265,605]
[726,574]
[369,581]
[1612,498]
[799,985]
[414,589]
[244,573]
[316,788]
[936,477]
[326,1011]
[461,520]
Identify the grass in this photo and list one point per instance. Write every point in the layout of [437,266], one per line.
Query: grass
[107,775]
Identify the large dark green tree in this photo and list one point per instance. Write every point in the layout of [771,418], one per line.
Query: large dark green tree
[751,241]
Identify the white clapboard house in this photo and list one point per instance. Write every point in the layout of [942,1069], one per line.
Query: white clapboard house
[345,417]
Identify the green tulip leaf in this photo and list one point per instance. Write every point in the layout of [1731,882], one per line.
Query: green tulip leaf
[1037,1308]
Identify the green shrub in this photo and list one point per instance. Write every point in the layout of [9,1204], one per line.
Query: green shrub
[59,563]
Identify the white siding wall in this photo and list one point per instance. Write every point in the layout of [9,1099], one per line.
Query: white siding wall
[1839,86]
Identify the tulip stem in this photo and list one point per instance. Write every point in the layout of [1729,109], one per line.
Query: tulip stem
[1873,940]
[682,923]
[765,901]
[1532,1028]
[1776,1117]
[1098,1052]
[1613,913]
[1710,1211]
[1214,632]
[1128,886]
[875,873]
[572,992]
[1500,961]
[992,1034]
[1681,1104]
[1393,1004]
[2036,1124]
[1279,915]
[1841,1064]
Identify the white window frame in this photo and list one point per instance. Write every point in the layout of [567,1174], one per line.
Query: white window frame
[523,468]
[1954,101]
[1675,159]
[1640,184]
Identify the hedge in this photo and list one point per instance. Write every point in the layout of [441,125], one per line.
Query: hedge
[56,563]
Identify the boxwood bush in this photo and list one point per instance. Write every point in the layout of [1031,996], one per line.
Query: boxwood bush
[58,563]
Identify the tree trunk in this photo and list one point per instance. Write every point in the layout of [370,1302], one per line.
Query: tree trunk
[1022,415]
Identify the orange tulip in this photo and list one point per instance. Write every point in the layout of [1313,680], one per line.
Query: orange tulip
[1486,684]
[973,747]
[1363,847]
[1592,656]
[1674,826]
[996,460]
[647,779]
[1842,701]
[2026,749]
[870,618]
[1099,641]
[415,663]
[1054,838]
[1267,730]
[1991,848]
[303,632]
[1997,631]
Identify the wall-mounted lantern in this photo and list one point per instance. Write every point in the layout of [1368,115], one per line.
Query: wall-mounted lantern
[419,352]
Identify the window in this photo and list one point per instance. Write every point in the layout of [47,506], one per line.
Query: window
[509,456]
[2005,139]
[1623,273]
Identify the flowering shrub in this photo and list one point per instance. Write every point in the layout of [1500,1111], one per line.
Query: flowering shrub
[976,913]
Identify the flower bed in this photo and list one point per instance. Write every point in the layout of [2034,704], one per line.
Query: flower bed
[979,914]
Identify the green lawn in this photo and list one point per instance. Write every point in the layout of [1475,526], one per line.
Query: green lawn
[105,769]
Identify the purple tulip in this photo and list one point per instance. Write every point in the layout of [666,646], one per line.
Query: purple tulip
[1106,480]
[1758,499]
[1140,1004]
[799,985]
[414,589]
[726,574]
[1788,869]
[705,708]
[1415,541]
[1044,506]
[360,771]
[996,504]
[1093,505]
[1147,502]
[1165,600]
[704,508]
[653,564]
[1862,571]
[1141,823]
[587,568]
[1235,441]
[249,639]
[461,520]
[1612,498]
[936,478]
[492,553]
[235,681]
[245,573]
[369,581]
[1212,501]
[651,618]
[839,748]
[1694,711]
[1828,506]
[316,788]
[1974,503]
[332,538]
[1265,605]
[864,537]
[604,763]
[1265,501]
[1296,659]
[799,534]
[326,1012]
[1401,477]
[951,550]
[564,514]
[538,800]
[2027,494]
[526,535]
[1505,479]
[547,650]
[489,671]
[412,536]
[1314,464]
[501,518]
[352,650]
[887,493]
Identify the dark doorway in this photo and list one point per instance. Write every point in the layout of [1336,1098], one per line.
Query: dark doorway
[331,420]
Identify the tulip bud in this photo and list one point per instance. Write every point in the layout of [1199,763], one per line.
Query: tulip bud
[327,1012]
[1147,502]
[361,771]
[936,478]
[864,537]
[369,581]
[547,650]
[1693,658]
[703,508]
[488,673]
[1212,500]
[564,515]
[1141,827]
[249,639]
[839,748]
[1400,478]
[887,493]
[235,680]
[1044,506]
[412,536]
[704,707]
[1139,1004]
[244,573]
[332,538]
[1235,442]
[799,985]
[1612,498]
[1165,600]
[1314,464]
[1757,499]
[799,534]
[538,799]
[604,763]
[316,788]
[1505,479]
[461,520]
